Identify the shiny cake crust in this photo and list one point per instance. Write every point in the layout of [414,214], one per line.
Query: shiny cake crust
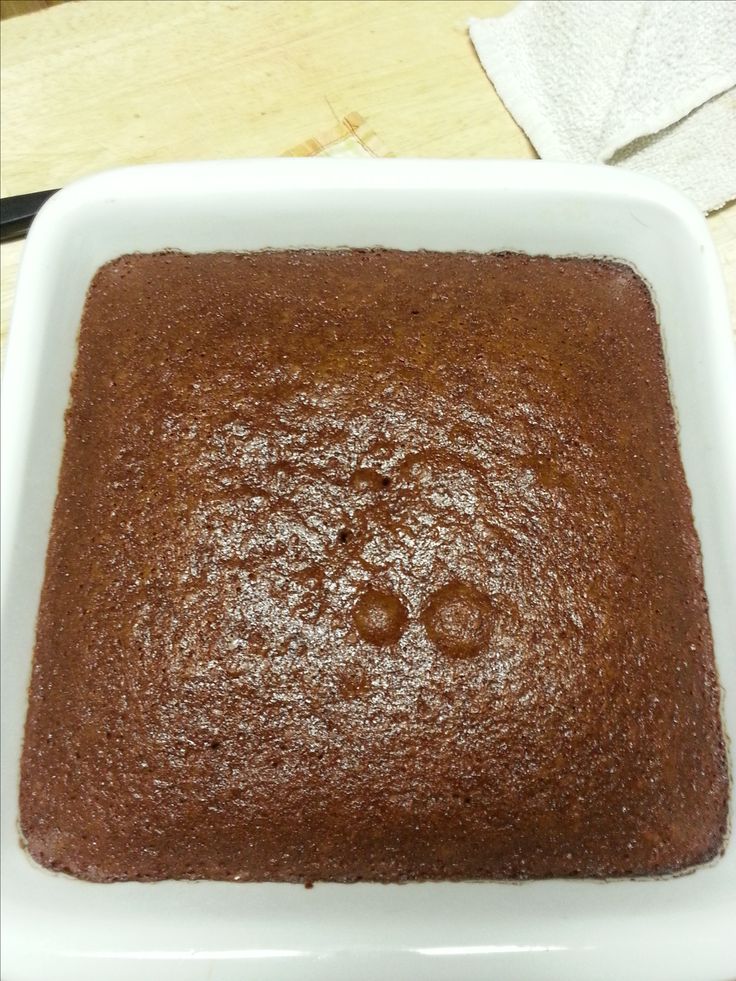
[371,565]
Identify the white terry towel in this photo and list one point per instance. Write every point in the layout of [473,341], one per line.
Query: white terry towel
[647,84]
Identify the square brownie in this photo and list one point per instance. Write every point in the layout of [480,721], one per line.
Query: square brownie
[371,565]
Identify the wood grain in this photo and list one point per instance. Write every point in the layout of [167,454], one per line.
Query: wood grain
[92,85]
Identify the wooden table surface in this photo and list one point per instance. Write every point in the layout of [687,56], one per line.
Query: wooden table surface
[96,84]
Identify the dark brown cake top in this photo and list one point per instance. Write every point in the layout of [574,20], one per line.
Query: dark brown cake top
[369,564]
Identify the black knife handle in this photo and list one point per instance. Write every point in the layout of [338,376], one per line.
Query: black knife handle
[17,213]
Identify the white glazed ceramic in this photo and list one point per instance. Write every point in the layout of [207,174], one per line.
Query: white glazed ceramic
[55,927]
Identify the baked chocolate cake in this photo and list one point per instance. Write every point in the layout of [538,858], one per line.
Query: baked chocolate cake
[371,565]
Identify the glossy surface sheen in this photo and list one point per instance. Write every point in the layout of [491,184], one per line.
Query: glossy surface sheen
[371,565]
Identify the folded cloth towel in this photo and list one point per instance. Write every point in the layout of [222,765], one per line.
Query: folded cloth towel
[647,84]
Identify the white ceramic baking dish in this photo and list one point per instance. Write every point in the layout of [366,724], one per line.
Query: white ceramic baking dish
[55,927]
